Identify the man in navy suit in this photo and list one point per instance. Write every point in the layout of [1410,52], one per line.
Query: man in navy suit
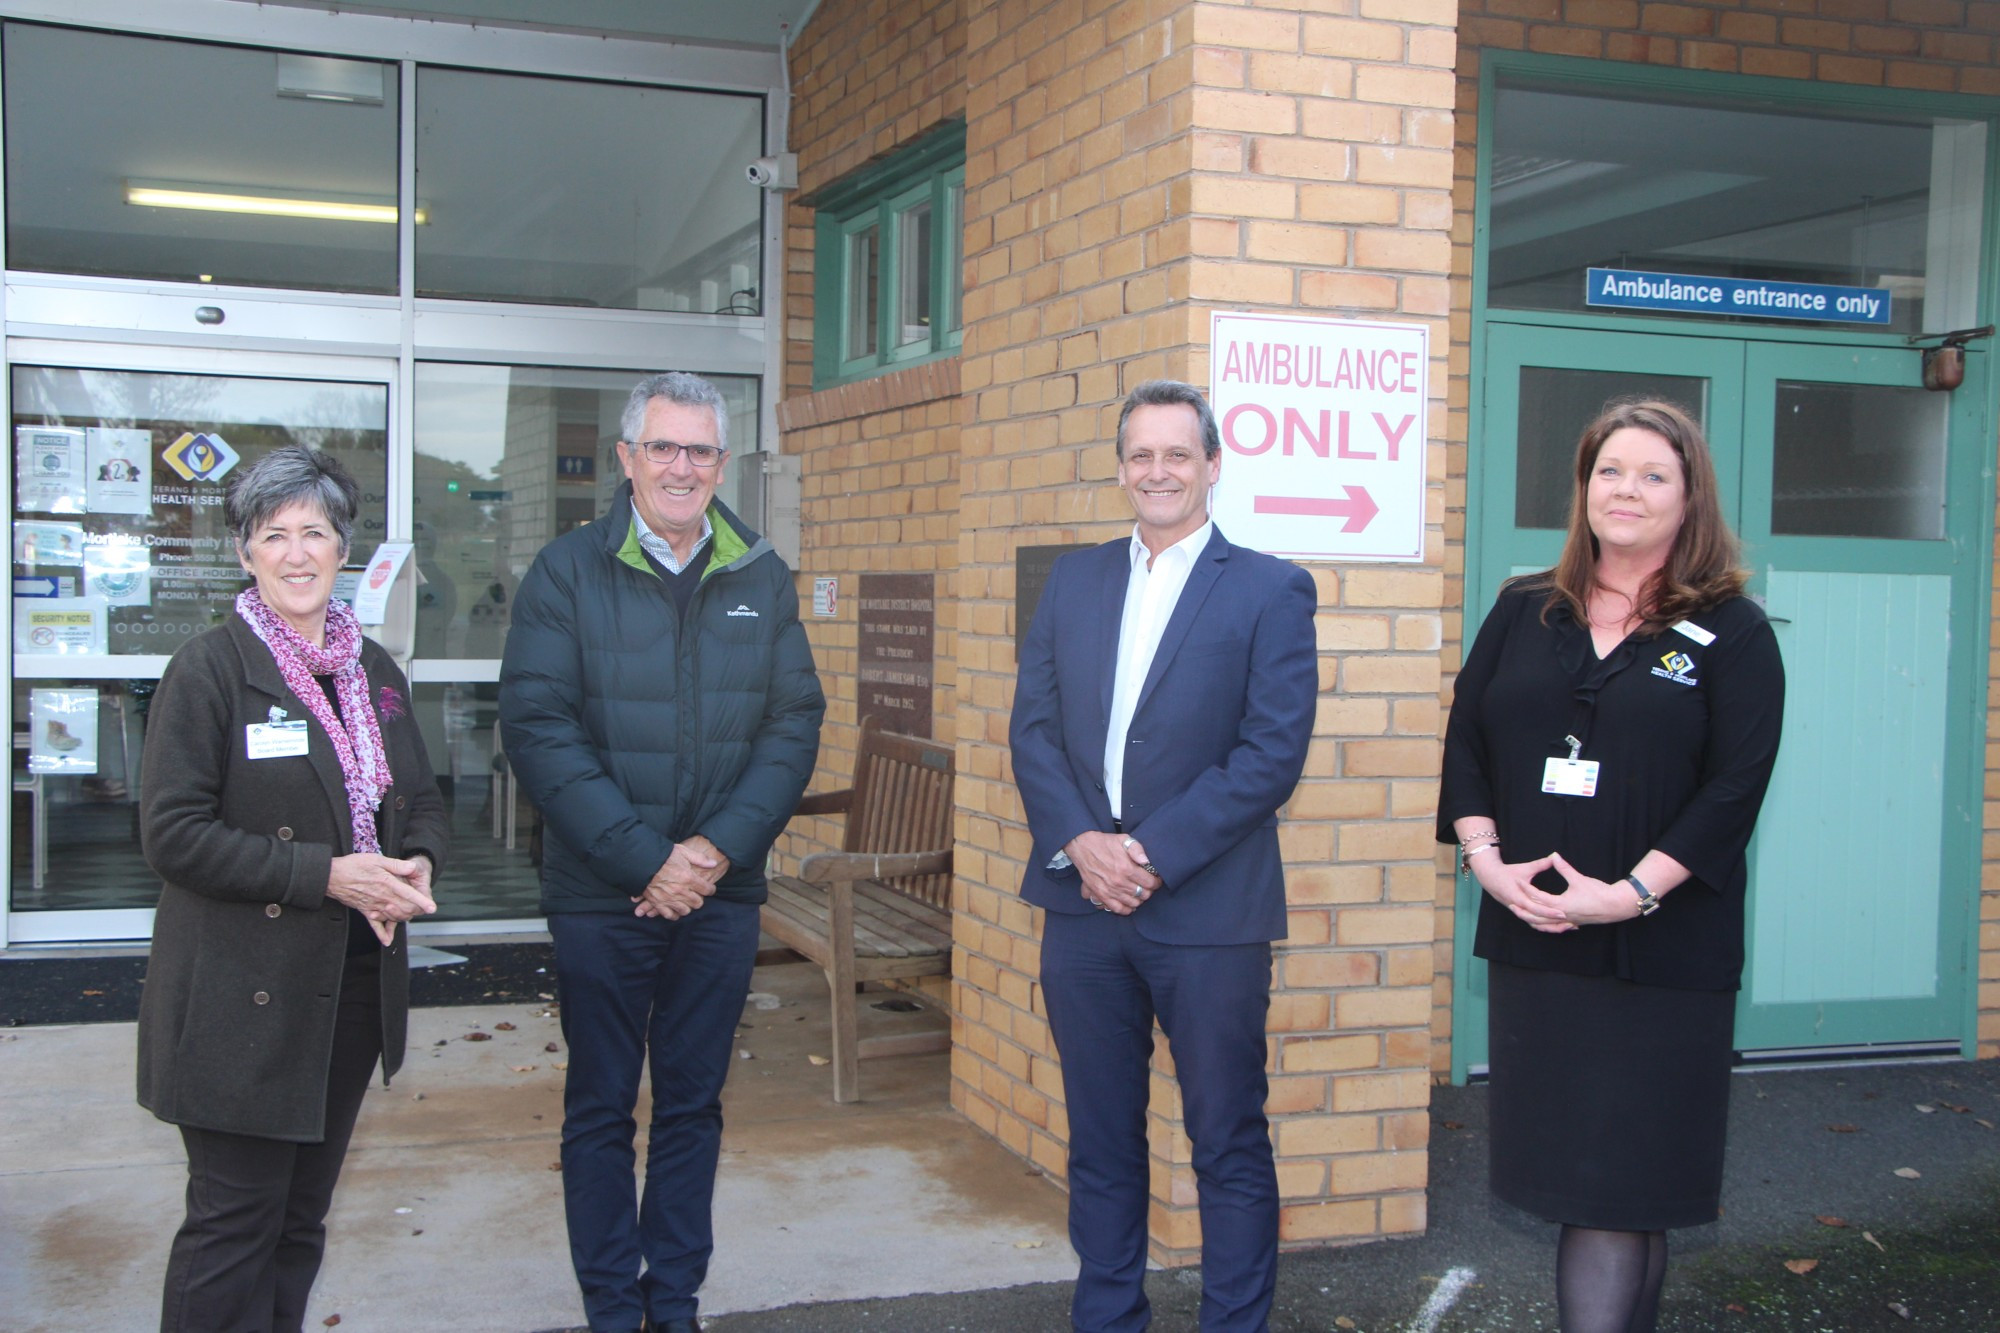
[1161,718]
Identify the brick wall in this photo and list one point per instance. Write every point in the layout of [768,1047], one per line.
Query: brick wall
[879,458]
[1130,167]
[1927,45]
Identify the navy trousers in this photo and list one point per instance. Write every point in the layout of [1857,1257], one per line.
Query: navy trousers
[1105,983]
[633,987]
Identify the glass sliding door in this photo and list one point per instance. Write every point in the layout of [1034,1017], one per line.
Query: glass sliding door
[121,555]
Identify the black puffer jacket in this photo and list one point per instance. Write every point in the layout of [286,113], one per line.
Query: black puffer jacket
[632,729]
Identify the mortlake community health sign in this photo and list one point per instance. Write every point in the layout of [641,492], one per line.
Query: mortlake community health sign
[1628,289]
[1322,435]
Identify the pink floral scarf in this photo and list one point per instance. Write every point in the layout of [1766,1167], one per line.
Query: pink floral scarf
[357,741]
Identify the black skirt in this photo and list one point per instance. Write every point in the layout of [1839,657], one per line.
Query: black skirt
[1610,1100]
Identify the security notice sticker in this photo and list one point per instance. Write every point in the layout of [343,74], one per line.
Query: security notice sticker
[1322,435]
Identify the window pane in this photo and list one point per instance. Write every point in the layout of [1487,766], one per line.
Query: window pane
[95,118]
[118,494]
[76,771]
[913,274]
[864,252]
[1859,460]
[1556,405]
[495,841]
[1586,178]
[507,459]
[591,194]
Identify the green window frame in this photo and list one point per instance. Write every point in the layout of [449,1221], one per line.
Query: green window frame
[887,261]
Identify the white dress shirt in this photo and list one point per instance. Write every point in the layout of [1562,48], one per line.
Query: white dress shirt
[1151,594]
[660,548]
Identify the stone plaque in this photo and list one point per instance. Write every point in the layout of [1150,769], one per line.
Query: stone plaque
[897,615]
[1031,574]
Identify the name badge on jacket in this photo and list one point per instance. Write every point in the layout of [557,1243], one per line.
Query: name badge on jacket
[1570,777]
[275,740]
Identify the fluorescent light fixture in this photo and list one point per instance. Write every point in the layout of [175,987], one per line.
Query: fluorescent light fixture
[217,199]
[328,79]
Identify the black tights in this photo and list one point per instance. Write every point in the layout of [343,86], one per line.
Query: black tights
[1609,1281]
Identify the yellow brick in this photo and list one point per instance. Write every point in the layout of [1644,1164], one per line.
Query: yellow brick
[1378,1173]
[1329,1053]
[1356,926]
[1327,1221]
[1409,1089]
[1246,112]
[1325,1135]
[1382,1009]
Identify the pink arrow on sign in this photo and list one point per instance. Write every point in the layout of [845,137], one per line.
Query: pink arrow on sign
[1359,508]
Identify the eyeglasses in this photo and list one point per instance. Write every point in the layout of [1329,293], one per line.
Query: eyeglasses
[666,451]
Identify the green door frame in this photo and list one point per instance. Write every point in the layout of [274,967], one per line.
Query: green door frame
[1489,482]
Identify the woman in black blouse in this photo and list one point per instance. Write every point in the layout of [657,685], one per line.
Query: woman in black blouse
[1613,733]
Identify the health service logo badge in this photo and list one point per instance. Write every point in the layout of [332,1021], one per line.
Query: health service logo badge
[202,457]
[1675,666]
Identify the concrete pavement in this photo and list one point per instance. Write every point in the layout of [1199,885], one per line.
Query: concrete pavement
[895,1216]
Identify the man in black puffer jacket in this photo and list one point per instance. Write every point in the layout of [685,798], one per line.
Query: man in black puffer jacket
[659,704]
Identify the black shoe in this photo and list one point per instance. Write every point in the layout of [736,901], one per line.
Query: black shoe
[689,1324]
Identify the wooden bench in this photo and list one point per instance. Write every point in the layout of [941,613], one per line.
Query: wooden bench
[880,908]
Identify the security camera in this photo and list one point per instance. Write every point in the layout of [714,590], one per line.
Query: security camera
[775,173]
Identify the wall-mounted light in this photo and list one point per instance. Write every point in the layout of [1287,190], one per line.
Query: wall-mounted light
[218,199]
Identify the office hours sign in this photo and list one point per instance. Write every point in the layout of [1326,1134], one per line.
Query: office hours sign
[1322,435]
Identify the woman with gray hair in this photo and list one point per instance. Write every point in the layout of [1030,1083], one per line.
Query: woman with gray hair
[290,809]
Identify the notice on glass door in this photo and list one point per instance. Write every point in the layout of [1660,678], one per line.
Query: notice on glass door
[51,466]
[119,471]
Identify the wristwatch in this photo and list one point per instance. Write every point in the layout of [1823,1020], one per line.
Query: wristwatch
[1649,902]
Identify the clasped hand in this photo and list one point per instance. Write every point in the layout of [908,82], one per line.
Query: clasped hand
[684,882]
[1115,871]
[384,889]
[1585,901]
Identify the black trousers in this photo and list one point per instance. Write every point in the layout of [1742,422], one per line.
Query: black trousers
[245,1258]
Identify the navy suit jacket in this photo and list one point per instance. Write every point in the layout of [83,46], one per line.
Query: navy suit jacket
[1217,742]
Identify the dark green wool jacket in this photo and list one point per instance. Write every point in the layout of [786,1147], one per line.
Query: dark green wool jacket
[632,729]
[236,1021]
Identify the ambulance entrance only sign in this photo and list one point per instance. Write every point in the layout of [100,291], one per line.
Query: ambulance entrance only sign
[1630,289]
[1322,435]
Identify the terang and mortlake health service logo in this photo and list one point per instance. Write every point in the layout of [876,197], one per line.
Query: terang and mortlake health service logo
[200,457]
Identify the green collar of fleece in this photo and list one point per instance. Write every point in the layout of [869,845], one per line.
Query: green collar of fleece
[725,546]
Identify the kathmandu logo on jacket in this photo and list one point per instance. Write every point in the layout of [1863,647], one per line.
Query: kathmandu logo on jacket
[1675,666]
[742,610]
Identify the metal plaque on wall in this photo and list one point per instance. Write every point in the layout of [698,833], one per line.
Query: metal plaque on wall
[1032,565]
[897,617]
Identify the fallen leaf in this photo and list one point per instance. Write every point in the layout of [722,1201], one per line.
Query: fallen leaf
[440,1042]
[1734,1308]
[745,1055]
[503,1027]
[1843,1129]
[1988,1124]
[543,995]
[555,1166]
[560,1066]
[1899,1309]
[418,1232]
[1909,1173]
[1869,1236]
[1027,1245]
[416,1096]
[1826,1221]
[1343,1322]
[551,1048]
[524,1069]
[330,1321]
[1926,1108]
[1955,1108]
[1801,1266]
[1454,1124]
[479,1036]
[819,1059]
[93,992]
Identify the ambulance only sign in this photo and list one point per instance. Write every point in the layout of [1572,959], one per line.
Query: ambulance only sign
[1322,435]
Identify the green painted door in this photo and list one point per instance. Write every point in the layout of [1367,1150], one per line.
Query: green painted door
[1861,517]
[1860,521]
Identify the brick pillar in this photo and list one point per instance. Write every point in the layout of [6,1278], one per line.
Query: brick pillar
[1129,170]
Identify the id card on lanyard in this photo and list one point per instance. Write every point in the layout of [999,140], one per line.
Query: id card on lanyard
[1571,776]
